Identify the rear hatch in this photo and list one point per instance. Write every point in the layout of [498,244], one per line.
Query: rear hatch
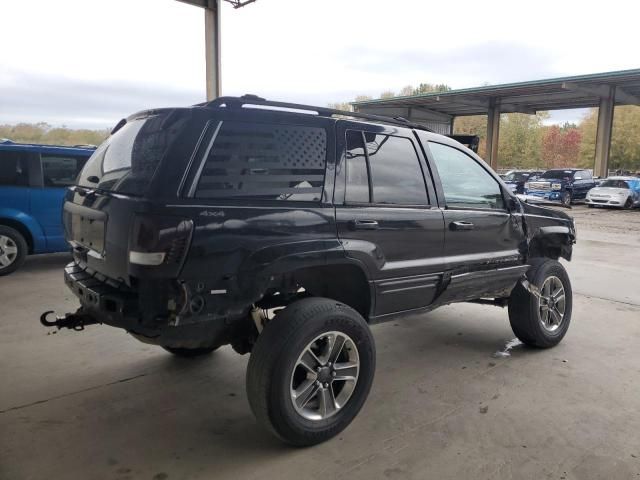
[110,210]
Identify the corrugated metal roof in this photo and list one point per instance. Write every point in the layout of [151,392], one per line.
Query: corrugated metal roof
[537,95]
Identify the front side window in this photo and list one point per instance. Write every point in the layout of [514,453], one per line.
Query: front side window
[13,169]
[384,170]
[60,170]
[465,183]
[262,161]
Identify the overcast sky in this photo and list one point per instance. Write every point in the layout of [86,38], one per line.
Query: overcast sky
[90,63]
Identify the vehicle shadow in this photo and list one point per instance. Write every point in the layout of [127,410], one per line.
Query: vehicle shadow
[45,262]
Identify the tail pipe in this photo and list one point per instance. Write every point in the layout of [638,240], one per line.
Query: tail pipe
[73,321]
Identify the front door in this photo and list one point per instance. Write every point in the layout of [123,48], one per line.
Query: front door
[387,217]
[482,238]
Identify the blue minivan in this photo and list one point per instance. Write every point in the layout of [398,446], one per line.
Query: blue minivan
[33,179]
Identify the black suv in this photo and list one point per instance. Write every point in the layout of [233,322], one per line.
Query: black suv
[286,231]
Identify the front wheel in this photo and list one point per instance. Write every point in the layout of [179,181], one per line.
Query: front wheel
[566,199]
[541,319]
[311,370]
[628,204]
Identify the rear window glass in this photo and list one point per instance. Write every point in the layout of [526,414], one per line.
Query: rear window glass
[268,162]
[127,160]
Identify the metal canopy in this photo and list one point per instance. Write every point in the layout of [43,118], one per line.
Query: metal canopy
[527,97]
[438,110]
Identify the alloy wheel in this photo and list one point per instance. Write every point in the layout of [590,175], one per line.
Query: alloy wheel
[8,251]
[551,304]
[325,376]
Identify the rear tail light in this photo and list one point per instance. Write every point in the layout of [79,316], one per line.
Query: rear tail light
[159,241]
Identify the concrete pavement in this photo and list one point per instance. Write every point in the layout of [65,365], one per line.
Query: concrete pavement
[100,405]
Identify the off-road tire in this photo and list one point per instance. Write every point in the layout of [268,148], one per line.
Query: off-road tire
[21,244]
[524,306]
[190,352]
[274,358]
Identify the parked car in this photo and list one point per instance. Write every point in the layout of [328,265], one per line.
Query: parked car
[286,231]
[623,192]
[33,179]
[564,185]
[515,179]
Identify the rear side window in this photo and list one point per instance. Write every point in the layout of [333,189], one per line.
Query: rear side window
[128,159]
[265,162]
[60,170]
[13,169]
[383,169]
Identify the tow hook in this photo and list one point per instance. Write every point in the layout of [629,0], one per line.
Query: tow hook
[74,321]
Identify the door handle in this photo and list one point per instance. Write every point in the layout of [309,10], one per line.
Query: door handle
[461,226]
[363,224]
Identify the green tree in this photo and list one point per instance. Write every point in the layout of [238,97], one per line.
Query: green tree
[625,138]
[387,94]
[520,140]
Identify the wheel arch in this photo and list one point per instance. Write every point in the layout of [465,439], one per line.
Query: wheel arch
[22,229]
[552,242]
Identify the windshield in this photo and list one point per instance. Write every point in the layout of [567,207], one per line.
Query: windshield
[126,161]
[564,174]
[516,176]
[615,184]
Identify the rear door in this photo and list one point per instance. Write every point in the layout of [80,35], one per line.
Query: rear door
[482,238]
[387,216]
[58,172]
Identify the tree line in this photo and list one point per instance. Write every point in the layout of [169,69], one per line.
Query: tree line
[46,134]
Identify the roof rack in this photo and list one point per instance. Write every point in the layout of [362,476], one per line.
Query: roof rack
[248,99]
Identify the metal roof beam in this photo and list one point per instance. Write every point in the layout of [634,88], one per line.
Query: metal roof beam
[622,96]
[513,108]
[464,100]
[603,91]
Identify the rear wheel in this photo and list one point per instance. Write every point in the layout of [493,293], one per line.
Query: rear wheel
[541,320]
[13,249]
[311,370]
[189,352]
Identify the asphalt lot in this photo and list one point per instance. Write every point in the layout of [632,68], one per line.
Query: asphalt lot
[100,405]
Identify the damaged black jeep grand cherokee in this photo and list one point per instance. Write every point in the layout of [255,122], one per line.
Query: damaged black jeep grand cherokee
[286,231]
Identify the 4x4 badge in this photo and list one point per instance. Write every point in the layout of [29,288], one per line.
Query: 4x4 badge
[211,213]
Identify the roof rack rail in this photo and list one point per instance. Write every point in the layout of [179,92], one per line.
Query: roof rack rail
[249,99]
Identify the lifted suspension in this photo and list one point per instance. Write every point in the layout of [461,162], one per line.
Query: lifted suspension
[74,321]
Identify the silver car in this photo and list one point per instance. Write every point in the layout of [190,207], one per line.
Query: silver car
[622,192]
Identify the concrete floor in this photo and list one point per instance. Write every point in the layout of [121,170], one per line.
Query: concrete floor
[100,405]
